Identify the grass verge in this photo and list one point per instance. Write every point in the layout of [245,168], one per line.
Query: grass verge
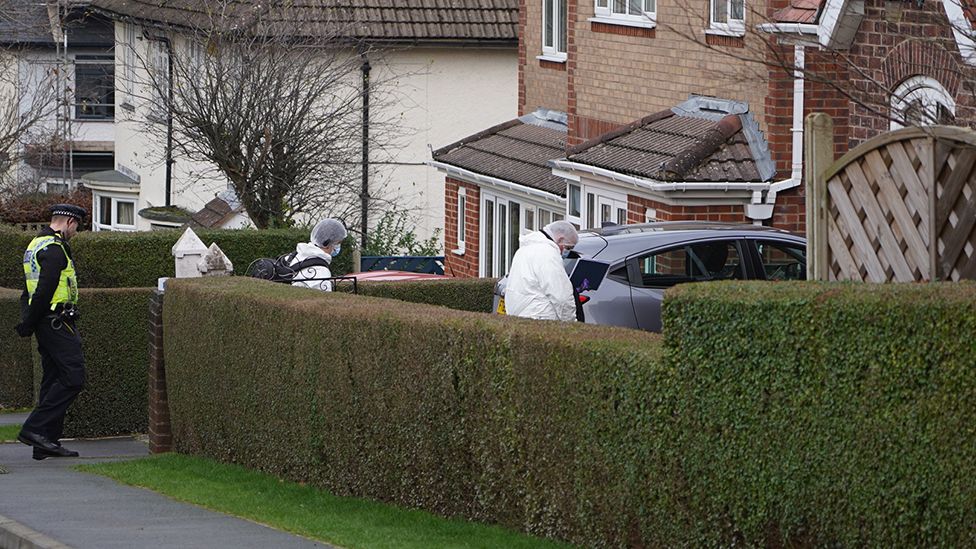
[303,510]
[8,433]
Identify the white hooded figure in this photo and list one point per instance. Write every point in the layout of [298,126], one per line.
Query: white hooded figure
[538,286]
[325,243]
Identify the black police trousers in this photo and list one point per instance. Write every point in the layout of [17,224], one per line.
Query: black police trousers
[63,366]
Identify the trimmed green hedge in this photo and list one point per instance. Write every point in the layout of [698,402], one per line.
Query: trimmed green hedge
[463,294]
[115,337]
[825,414]
[138,259]
[16,372]
[550,428]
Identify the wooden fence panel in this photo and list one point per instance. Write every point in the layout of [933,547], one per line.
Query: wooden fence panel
[900,208]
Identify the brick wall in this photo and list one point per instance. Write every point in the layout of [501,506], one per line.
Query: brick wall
[544,83]
[624,73]
[637,206]
[465,265]
[160,432]
[897,40]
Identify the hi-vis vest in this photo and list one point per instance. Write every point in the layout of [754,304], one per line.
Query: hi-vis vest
[67,291]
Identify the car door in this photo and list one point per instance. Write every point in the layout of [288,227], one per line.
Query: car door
[652,272]
[778,258]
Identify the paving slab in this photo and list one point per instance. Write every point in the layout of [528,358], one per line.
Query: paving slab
[86,511]
[13,419]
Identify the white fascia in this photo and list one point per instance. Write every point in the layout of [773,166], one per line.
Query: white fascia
[788,28]
[962,30]
[487,180]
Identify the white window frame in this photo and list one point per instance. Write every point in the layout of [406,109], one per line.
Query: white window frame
[462,201]
[115,225]
[603,10]
[602,196]
[552,53]
[129,63]
[928,90]
[729,27]
[576,219]
[489,242]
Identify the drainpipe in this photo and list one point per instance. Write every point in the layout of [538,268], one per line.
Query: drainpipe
[365,161]
[796,168]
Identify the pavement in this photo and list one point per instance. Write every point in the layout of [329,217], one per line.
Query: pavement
[46,504]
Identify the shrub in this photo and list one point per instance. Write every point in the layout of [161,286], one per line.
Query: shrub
[550,428]
[825,414]
[463,294]
[115,337]
[132,260]
[16,373]
[34,207]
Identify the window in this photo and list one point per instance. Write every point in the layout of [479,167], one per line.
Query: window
[628,12]
[114,214]
[921,101]
[462,201]
[727,17]
[782,261]
[529,219]
[574,201]
[158,66]
[554,24]
[129,63]
[94,87]
[691,263]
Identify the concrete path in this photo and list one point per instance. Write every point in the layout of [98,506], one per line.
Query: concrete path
[13,419]
[46,504]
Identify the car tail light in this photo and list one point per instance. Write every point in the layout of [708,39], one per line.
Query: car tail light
[583,299]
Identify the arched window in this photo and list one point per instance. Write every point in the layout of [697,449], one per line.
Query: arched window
[921,101]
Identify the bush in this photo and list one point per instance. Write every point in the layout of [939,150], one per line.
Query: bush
[115,337]
[550,428]
[825,414]
[132,260]
[35,207]
[16,373]
[463,294]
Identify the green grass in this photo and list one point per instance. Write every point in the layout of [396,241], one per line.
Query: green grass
[303,510]
[9,432]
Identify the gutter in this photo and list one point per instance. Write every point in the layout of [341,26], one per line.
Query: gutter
[660,186]
[796,172]
[789,28]
[495,182]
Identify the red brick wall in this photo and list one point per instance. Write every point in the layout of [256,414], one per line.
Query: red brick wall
[637,206]
[465,265]
[897,40]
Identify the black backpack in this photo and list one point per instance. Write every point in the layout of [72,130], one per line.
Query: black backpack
[280,268]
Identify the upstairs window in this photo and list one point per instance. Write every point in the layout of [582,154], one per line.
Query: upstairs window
[727,17]
[638,12]
[94,87]
[554,23]
[921,101]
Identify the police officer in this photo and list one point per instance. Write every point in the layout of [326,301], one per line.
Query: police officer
[49,311]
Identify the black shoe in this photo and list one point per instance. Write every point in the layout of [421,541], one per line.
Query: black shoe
[63,452]
[40,454]
[37,441]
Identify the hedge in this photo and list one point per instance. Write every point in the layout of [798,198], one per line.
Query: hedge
[16,373]
[138,259]
[554,429]
[463,294]
[115,336]
[825,414]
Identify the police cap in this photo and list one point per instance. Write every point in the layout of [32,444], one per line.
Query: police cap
[69,210]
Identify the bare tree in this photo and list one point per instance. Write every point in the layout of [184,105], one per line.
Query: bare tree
[273,104]
[768,52]
[28,90]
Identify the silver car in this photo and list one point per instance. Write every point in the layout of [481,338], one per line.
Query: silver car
[642,261]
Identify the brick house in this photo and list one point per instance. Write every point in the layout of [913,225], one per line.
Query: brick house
[622,71]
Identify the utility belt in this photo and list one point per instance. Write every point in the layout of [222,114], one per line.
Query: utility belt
[65,312]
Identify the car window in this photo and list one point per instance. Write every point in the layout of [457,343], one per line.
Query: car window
[782,260]
[718,260]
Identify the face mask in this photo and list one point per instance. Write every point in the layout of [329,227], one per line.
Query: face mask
[565,254]
[336,251]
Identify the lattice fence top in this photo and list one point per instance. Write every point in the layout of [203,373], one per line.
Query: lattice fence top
[888,197]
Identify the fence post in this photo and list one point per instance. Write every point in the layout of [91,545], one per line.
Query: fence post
[818,157]
[160,430]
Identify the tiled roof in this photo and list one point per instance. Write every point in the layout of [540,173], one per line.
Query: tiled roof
[404,20]
[25,22]
[800,11]
[668,146]
[212,214]
[517,151]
